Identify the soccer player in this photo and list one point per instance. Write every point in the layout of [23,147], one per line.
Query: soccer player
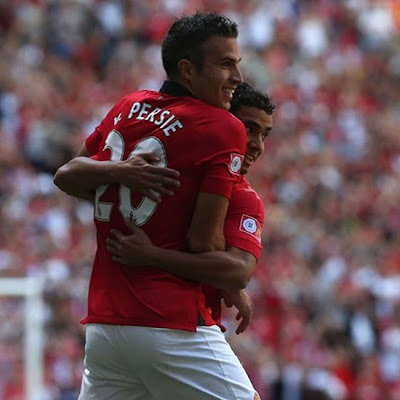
[138,319]
[242,229]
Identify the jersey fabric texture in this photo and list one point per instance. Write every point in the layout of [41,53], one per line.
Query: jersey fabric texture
[244,219]
[206,145]
[242,229]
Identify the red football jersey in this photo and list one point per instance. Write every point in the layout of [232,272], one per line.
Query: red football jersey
[206,145]
[242,229]
[244,219]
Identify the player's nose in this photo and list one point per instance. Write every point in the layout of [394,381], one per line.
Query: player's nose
[236,75]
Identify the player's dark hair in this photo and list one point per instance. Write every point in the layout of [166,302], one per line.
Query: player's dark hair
[186,37]
[246,95]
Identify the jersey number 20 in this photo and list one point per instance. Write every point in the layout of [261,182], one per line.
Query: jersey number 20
[140,214]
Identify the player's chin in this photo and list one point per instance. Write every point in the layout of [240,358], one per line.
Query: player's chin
[226,105]
[244,170]
[225,102]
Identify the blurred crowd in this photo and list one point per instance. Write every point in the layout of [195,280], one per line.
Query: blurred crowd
[326,292]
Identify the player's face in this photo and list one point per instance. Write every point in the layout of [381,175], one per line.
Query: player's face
[258,125]
[215,81]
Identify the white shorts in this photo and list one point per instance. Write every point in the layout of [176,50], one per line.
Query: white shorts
[142,363]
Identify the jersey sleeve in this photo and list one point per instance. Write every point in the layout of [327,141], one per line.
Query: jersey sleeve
[244,232]
[227,142]
[244,221]
[93,141]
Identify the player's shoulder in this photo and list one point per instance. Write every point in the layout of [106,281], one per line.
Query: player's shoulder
[244,192]
[218,121]
[140,95]
[242,185]
[245,200]
[217,114]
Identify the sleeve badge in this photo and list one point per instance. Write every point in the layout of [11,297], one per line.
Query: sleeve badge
[251,226]
[235,165]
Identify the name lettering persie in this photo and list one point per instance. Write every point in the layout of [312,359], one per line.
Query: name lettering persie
[164,119]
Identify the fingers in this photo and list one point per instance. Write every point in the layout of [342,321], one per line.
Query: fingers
[169,175]
[117,234]
[170,180]
[144,172]
[151,158]
[131,225]
[228,302]
[156,196]
[168,172]
[112,246]
[242,327]
[119,259]
[157,191]
[155,185]
[115,248]
[161,176]
[145,158]
[244,323]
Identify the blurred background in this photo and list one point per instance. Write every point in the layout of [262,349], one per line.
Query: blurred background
[326,292]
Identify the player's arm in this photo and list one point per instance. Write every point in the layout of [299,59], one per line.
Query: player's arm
[82,175]
[242,302]
[74,189]
[206,232]
[229,270]
[222,170]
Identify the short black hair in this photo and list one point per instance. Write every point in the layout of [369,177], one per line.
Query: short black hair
[186,37]
[246,95]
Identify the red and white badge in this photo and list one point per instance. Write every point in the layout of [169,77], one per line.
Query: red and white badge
[235,164]
[251,226]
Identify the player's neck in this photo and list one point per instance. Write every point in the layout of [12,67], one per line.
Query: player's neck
[175,88]
[182,82]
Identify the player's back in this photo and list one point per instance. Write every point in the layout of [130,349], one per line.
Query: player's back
[198,140]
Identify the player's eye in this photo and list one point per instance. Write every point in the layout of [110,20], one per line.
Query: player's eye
[251,129]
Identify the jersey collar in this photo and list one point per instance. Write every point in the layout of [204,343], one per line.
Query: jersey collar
[174,89]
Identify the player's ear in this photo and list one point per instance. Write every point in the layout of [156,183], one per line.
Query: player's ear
[185,68]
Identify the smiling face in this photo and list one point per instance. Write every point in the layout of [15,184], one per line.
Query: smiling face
[258,125]
[216,79]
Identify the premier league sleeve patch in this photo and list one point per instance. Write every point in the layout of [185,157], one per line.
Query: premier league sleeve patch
[251,226]
[235,164]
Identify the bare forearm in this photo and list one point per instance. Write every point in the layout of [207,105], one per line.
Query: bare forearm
[218,268]
[83,175]
[206,232]
[229,270]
